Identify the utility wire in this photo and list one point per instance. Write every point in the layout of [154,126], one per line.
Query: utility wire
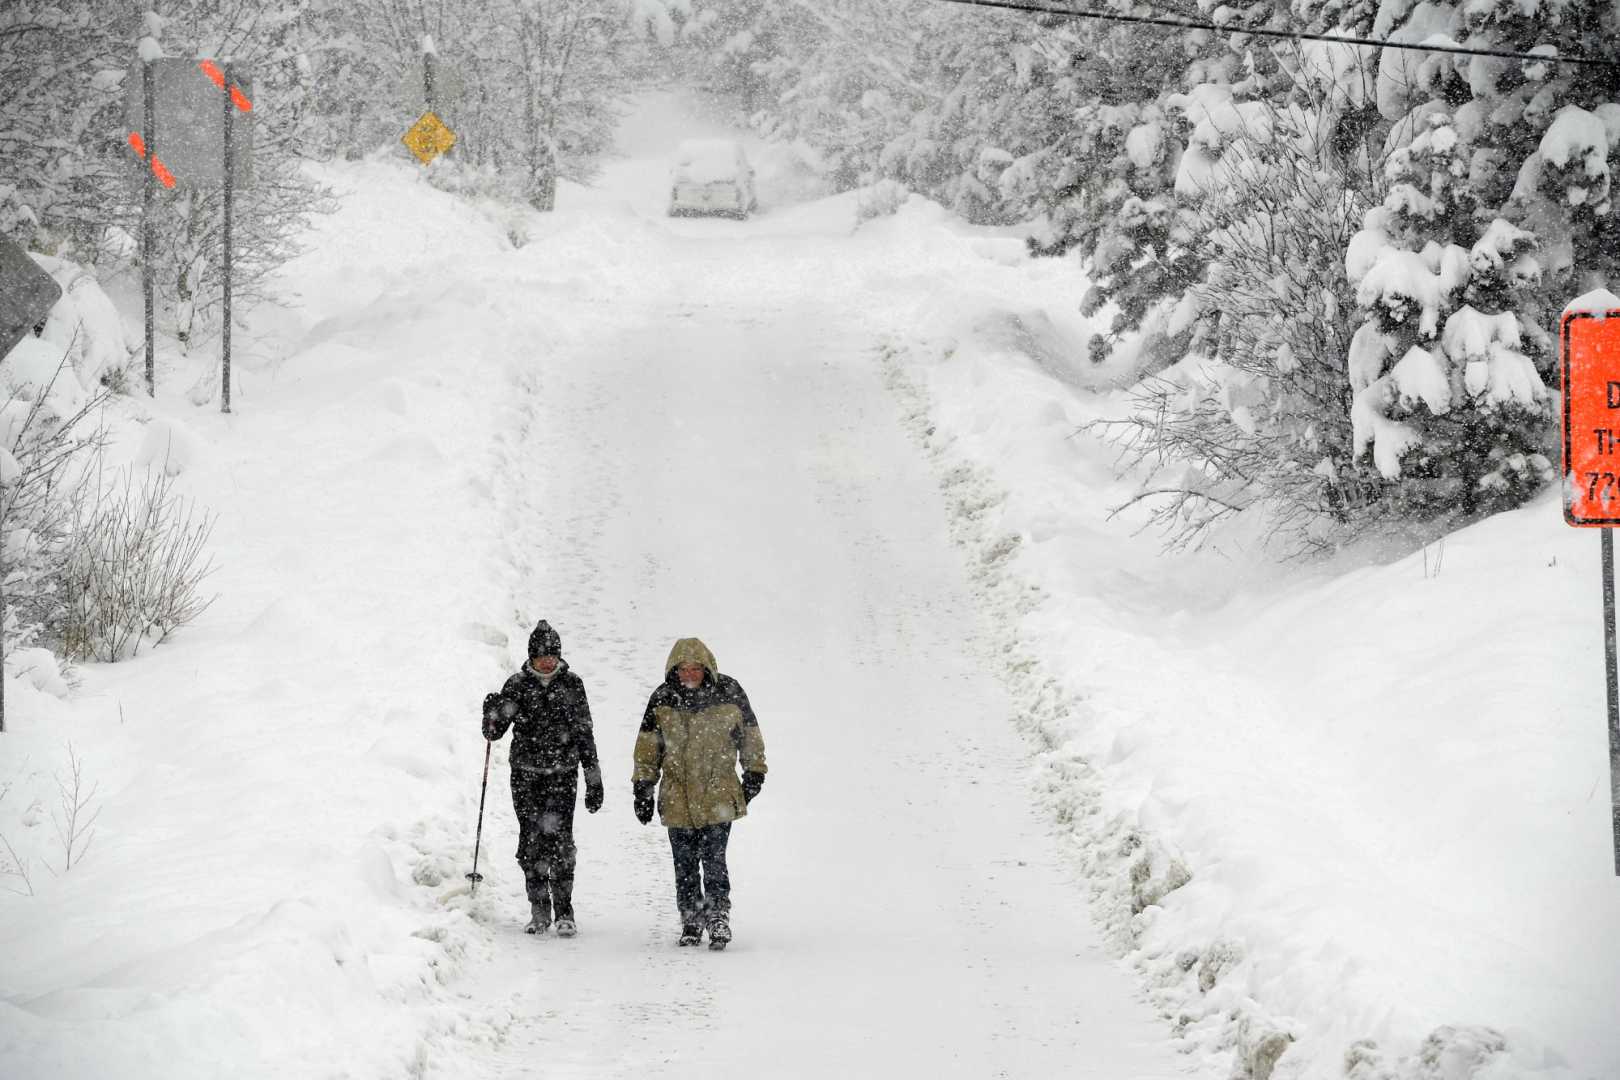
[1291,35]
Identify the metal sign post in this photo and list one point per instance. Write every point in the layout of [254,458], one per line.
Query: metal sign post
[1591,383]
[428,58]
[1614,687]
[149,136]
[2,629]
[226,170]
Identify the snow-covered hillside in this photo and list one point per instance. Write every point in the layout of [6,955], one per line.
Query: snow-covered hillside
[1042,801]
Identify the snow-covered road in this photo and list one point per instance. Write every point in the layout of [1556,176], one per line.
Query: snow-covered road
[725,462]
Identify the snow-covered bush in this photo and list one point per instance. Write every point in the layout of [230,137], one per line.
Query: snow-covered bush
[1260,413]
[473,181]
[134,566]
[91,570]
[86,326]
[882,199]
[47,440]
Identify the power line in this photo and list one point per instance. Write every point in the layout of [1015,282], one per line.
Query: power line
[1291,35]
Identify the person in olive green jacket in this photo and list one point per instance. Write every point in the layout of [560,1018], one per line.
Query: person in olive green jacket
[697,727]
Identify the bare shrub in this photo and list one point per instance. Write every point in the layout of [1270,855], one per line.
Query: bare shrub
[76,813]
[882,199]
[14,865]
[1259,416]
[50,451]
[135,566]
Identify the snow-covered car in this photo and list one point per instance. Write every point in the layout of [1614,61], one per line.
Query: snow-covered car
[711,176]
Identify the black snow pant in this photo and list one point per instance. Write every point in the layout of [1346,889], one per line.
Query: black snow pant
[545,811]
[702,882]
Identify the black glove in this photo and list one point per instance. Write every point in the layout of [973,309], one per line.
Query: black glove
[493,729]
[644,801]
[752,782]
[593,793]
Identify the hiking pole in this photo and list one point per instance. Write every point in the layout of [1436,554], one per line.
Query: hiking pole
[475,877]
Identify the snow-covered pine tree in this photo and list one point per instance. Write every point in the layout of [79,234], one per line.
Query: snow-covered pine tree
[986,73]
[839,76]
[726,39]
[1497,213]
[1107,182]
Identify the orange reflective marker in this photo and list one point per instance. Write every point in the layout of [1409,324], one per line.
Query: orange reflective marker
[1591,348]
[212,70]
[160,170]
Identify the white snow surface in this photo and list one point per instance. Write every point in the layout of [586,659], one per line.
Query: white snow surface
[1421,376]
[1043,801]
[84,324]
[1400,281]
[1579,135]
[706,161]
[1596,301]
[1578,140]
[1145,144]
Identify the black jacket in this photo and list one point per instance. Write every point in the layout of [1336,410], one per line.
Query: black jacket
[551,724]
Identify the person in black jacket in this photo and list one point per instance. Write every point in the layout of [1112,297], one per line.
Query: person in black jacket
[544,704]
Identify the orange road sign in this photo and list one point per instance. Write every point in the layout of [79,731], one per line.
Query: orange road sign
[1591,362]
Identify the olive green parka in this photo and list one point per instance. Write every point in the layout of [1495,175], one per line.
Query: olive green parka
[691,742]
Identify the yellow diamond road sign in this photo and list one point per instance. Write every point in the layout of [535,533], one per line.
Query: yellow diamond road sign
[428,138]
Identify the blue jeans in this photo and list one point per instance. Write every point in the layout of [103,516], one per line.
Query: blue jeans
[702,882]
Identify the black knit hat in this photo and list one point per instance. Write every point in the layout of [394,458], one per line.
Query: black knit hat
[544,641]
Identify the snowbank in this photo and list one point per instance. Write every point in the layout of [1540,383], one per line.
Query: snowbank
[1349,819]
[85,324]
[280,794]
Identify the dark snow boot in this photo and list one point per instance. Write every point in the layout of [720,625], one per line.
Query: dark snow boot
[691,934]
[565,926]
[539,917]
[719,930]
